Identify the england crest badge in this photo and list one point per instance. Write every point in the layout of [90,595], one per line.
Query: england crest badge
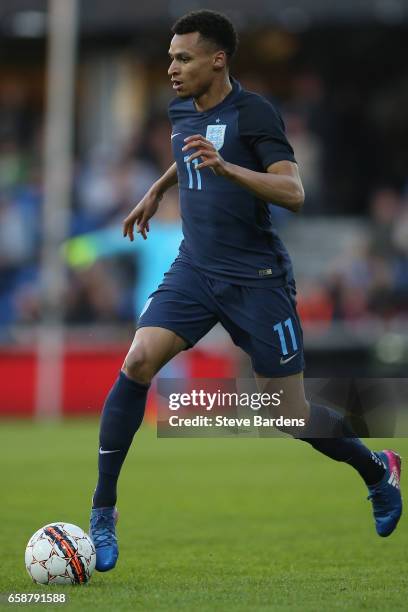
[216,134]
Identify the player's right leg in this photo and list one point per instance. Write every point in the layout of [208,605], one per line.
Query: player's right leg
[122,416]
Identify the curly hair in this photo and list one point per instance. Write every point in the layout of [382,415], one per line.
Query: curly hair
[212,26]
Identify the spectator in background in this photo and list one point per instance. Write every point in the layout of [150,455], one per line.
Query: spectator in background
[369,280]
[20,219]
[309,125]
[93,295]
[315,305]
[308,153]
[18,119]
[400,240]
[156,143]
[107,184]
[389,248]
[96,190]
[384,209]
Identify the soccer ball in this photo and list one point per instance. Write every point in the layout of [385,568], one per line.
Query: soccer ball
[60,553]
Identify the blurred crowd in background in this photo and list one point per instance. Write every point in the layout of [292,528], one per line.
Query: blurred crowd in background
[349,133]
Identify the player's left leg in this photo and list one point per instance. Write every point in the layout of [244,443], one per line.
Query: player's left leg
[264,323]
[329,433]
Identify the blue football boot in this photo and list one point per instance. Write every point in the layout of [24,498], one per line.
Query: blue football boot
[386,495]
[102,533]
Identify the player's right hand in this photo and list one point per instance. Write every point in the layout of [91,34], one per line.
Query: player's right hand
[141,214]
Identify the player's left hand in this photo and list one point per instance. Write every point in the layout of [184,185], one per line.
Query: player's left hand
[208,153]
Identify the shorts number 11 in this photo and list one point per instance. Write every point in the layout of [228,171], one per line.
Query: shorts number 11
[279,328]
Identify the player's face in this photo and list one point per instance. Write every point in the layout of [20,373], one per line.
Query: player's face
[194,64]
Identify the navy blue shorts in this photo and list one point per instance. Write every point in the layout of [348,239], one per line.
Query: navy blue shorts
[262,321]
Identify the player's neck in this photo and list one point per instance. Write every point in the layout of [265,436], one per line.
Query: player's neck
[218,91]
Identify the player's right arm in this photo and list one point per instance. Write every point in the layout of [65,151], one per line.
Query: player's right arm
[148,205]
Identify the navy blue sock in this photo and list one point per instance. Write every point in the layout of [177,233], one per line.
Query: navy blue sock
[339,442]
[122,416]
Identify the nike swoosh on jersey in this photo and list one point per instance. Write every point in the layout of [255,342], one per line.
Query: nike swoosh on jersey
[105,452]
[283,361]
[174,135]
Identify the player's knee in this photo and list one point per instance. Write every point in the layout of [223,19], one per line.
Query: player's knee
[138,366]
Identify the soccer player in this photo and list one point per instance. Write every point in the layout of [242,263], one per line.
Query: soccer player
[232,157]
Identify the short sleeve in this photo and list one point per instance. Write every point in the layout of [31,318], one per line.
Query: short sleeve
[262,128]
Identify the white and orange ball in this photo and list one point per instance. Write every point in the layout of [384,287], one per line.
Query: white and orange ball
[60,553]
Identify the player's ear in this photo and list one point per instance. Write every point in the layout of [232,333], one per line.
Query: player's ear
[220,60]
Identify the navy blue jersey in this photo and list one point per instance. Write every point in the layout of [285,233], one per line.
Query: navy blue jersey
[228,233]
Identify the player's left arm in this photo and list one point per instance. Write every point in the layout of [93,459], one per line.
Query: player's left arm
[280,184]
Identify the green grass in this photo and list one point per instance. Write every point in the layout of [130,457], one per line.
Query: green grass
[206,524]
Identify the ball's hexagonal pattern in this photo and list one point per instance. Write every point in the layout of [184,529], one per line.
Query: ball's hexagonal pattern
[60,553]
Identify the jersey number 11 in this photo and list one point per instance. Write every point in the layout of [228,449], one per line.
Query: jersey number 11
[190,173]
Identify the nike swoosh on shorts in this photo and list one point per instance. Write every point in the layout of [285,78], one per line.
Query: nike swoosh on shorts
[283,361]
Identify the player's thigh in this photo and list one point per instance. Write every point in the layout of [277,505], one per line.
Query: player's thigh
[171,321]
[151,349]
[181,304]
[188,314]
[265,324]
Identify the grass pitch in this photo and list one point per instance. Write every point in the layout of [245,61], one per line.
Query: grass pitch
[206,524]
